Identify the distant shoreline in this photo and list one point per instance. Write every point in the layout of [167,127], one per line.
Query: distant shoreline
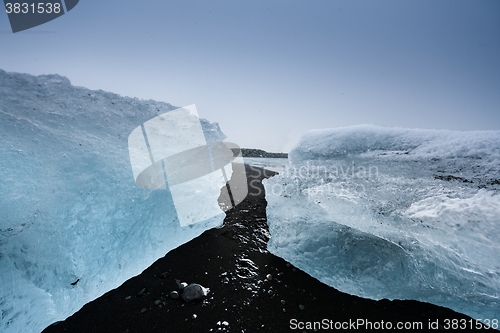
[248,152]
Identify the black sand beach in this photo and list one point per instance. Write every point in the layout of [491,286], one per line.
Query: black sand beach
[233,262]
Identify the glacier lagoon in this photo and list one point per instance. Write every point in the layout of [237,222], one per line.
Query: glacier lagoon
[73,223]
[394,213]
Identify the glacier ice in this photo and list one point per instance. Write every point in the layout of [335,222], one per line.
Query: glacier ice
[73,223]
[394,213]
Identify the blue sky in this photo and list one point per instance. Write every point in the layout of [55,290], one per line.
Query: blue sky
[268,71]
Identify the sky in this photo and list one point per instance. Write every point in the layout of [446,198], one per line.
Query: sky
[267,71]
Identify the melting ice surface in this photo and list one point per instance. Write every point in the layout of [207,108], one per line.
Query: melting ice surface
[394,213]
[73,224]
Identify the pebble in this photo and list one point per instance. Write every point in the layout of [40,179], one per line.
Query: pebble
[164,275]
[141,292]
[128,297]
[283,301]
[194,291]
[301,307]
[181,285]
[143,310]
[174,295]
[194,316]
[269,277]
[157,302]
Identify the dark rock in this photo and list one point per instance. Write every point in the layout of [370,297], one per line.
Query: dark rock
[450,178]
[141,292]
[174,295]
[193,291]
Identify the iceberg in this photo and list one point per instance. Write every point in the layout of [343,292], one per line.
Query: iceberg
[73,223]
[394,213]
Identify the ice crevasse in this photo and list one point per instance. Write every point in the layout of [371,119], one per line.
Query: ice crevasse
[73,223]
[394,213]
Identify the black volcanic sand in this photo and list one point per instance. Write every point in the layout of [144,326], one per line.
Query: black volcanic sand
[233,262]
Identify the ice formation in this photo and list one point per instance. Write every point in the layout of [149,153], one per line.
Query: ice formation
[394,213]
[73,223]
